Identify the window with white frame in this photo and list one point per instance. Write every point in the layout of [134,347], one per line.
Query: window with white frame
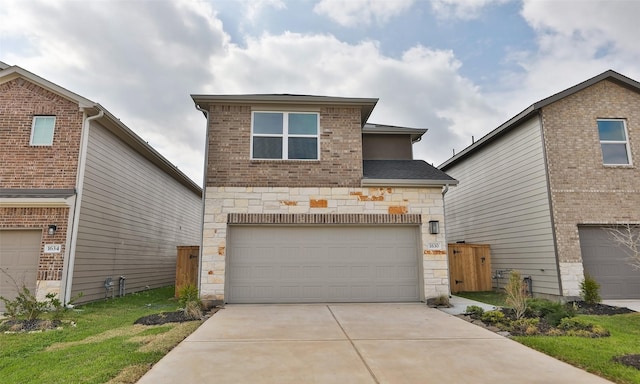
[614,142]
[285,135]
[42,130]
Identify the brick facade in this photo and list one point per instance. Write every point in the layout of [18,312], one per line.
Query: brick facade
[583,190]
[230,163]
[42,167]
[50,264]
[365,206]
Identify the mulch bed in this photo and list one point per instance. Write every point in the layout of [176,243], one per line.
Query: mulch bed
[15,325]
[598,309]
[628,360]
[172,317]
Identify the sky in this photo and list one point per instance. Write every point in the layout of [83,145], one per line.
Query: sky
[459,68]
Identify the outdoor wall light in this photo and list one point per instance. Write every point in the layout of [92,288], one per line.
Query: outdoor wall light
[52,229]
[434,227]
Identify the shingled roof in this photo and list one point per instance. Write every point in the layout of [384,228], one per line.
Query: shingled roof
[403,172]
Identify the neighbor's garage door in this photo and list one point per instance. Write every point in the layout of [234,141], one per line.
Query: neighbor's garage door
[605,261]
[19,254]
[307,264]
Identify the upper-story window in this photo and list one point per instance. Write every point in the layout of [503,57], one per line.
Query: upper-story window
[285,135]
[614,142]
[42,130]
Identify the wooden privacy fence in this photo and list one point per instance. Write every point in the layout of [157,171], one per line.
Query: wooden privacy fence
[187,266]
[469,267]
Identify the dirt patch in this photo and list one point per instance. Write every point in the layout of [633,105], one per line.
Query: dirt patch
[598,309]
[628,360]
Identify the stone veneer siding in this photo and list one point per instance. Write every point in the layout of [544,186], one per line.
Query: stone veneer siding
[337,205]
[583,190]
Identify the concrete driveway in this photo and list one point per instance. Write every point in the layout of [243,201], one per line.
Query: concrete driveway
[353,343]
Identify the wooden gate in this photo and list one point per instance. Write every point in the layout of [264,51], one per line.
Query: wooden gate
[469,267]
[187,266]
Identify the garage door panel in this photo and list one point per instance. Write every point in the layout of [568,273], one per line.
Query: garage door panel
[19,256]
[606,262]
[322,264]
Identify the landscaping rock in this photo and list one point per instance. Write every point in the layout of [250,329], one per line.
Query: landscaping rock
[628,360]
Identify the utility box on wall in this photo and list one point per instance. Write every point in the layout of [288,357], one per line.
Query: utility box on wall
[187,266]
[469,267]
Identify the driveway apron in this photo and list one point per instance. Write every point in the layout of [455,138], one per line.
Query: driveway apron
[353,343]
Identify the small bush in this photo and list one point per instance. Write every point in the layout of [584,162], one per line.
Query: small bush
[190,302]
[574,323]
[525,326]
[590,290]
[516,294]
[493,317]
[553,312]
[474,311]
[28,306]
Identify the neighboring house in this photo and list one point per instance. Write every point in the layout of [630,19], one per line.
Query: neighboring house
[542,188]
[304,202]
[82,198]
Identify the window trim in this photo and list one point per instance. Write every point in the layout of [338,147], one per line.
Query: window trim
[285,134]
[625,142]
[33,126]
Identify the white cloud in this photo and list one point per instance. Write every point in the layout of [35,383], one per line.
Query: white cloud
[254,8]
[461,9]
[353,13]
[421,89]
[141,60]
[574,43]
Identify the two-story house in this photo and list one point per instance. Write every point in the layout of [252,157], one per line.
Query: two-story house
[305,202]
[83,199]
[544,188]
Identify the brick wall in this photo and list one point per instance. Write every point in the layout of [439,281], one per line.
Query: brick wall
[583,190]
[230,161]
[50,264]
[25,166]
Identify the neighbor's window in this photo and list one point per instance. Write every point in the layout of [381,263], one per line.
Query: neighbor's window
[614,142]
[285,135]
[42,130]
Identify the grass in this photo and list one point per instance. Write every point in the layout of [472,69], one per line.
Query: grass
[104,346]
[594,355]
[490,297]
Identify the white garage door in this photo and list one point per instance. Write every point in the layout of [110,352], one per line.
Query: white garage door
[19,255]
[605,261]
[307,264]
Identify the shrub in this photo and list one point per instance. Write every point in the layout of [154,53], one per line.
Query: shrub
[474,311]
[553,312]
[27,305]
[493,317]
[516,294]
[190,302]
[525,326]
[590,290]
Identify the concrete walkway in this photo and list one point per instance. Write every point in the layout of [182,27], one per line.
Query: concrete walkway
[633,305]
[352,343]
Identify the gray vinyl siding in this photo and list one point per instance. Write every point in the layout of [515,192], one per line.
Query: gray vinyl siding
[502,200]
[132,217]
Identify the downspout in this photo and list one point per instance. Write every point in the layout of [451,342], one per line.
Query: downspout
[76,209]
[204,194]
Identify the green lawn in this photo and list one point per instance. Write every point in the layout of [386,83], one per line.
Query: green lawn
[592,355]
[489,297]
[103,345]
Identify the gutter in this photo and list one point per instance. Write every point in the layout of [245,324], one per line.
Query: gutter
[406,183]
[67,275]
